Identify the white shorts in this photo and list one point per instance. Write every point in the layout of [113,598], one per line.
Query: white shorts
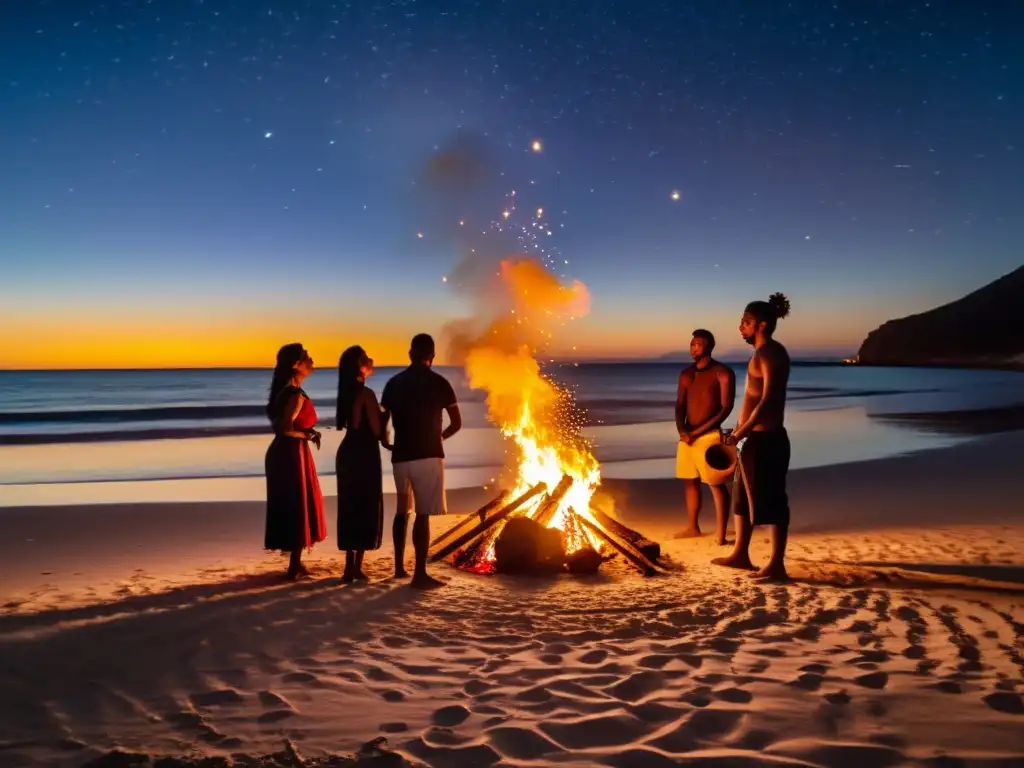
[421,484]
[690,462]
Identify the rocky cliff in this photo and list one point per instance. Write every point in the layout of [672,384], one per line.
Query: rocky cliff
[984,328]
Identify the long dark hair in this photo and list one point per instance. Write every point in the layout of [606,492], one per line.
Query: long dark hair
[349,363]
[287,358]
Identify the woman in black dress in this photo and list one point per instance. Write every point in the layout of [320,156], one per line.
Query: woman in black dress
[360,485]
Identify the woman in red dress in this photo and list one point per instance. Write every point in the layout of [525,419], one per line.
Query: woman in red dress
[295,505]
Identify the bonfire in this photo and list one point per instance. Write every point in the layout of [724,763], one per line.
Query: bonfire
[545,520]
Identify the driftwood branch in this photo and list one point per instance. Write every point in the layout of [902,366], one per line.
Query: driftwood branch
[479,516]
[485,525]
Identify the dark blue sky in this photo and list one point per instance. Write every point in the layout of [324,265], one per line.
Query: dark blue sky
[863,157]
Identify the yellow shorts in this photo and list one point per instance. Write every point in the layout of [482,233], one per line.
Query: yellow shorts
[690,463]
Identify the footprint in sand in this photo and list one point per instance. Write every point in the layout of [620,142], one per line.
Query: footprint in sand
[394,728]
[392,641]
[271,699]
[275,716]
[874,680]
[734,696]
[185,720]
[840,698]
[300,677]
[808,681]
[393,696]
[476,687]
[219,698]
[637,686]
[593,657]
[1004,701]
[915,651]
[449,717]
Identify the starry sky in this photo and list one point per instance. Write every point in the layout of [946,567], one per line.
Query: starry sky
[195,182]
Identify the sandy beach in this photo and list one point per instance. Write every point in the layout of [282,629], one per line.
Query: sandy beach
[163,631]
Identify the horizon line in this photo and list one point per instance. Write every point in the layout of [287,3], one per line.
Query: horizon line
[837,358]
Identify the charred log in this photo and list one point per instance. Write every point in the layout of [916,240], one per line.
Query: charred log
[487,524]
[526,547]
[480,516]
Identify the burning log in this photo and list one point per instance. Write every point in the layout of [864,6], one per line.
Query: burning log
[627,550]
[650,549]
[487,524]
[548,507]
[481,513]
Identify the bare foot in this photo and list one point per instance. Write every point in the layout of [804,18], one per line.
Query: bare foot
[423,581]
[724,542]
[741,563]
[774,574]
[401,573]
[360,576]
[348,578]
[689,533]
[298,573]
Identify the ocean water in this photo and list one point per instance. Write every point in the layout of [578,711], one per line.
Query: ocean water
[189,434]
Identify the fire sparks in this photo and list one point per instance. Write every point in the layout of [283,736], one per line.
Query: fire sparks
[529,408]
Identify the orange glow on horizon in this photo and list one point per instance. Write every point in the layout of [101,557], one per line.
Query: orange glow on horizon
[111,345]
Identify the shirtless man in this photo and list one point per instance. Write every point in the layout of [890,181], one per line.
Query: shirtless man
[759,491]
[704,399]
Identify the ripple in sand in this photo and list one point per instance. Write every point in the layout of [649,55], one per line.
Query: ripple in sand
[833,753]
[639,758]
[219,698]
[521,743]
[475,755]
[594,732]
[638,686]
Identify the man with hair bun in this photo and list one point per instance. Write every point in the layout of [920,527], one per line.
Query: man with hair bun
[759,490]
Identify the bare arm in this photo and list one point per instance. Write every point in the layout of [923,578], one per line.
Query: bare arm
[372,412]
[727,388]
[454,421]
[681,404]
[385,439]
[768,364]
[286,424]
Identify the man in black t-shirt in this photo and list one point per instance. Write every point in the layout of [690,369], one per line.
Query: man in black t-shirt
[415,399]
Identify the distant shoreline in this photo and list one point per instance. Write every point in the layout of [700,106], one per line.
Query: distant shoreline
[1016,367]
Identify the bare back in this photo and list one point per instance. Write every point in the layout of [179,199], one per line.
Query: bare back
[770,362]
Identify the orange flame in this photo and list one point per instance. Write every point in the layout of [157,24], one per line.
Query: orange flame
[530,409]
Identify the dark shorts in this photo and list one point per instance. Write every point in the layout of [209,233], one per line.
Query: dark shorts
[759,489]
